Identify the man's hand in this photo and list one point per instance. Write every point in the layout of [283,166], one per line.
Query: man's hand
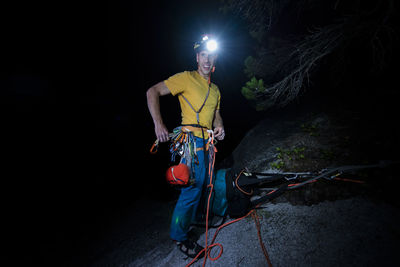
[153,102]
[219,133]
[161,132]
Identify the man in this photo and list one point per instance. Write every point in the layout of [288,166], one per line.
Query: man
[200,105]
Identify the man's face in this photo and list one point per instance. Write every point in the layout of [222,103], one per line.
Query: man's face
[206,62]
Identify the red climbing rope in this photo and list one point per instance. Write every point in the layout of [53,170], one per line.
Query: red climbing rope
[208,247]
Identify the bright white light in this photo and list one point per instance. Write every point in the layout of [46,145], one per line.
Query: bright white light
[212,45]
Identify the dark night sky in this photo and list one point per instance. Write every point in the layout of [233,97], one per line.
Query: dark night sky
[74,113]
[76,75]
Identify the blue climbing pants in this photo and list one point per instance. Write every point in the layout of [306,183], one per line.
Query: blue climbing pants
[189,199]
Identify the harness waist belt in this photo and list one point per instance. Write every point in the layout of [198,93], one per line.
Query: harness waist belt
[196,129]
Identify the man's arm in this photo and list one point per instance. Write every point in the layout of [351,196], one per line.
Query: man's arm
[218,124]
[153,103]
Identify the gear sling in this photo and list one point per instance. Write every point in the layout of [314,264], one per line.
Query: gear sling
[198,111]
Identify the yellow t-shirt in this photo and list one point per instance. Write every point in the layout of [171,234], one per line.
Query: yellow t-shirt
[194,88]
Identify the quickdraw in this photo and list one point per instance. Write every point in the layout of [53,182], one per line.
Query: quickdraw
[154,147]
[183,145]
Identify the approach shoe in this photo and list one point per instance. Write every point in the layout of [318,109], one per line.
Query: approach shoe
[190,248]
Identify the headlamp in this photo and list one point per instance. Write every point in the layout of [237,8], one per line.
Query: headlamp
[207,43]
[212,45]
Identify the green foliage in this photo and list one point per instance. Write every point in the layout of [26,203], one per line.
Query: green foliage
[248,93]
[277,165]
[253,88]
[287,155]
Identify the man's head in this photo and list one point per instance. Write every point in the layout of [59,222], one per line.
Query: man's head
[206,55]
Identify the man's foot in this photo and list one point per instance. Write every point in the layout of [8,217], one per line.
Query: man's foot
[194,233]
[190,248]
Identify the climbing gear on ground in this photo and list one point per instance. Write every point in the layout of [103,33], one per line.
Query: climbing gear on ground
[178,174]
[191,248]
[241,188]
[276,184]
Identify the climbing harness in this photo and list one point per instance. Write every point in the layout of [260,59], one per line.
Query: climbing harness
[177,132]
[183,145]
